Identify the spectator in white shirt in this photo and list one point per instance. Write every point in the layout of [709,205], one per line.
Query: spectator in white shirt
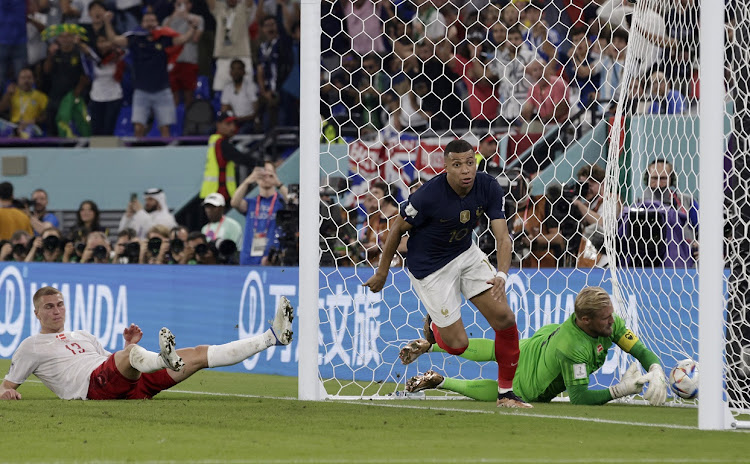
[153,212]
[241,97]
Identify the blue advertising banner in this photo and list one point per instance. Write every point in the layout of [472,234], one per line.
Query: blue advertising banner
[360,332]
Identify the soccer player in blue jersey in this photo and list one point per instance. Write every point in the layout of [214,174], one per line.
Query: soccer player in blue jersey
[445,263]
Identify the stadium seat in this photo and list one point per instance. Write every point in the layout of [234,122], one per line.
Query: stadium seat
[124,128]
[203,88]
[199,118]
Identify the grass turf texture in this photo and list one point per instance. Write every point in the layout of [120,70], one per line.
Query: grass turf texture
[206,420]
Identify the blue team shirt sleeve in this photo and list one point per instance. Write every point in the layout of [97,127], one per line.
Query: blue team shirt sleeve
[496,207]
[412,210]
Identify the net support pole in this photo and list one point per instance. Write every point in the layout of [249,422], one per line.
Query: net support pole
[309,387]
[712,410]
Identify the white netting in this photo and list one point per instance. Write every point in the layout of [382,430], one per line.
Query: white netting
[556,96]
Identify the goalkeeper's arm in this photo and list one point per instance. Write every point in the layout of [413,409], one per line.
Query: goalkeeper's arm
[656,393]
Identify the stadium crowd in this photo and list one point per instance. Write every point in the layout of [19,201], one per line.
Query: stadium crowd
[415,66]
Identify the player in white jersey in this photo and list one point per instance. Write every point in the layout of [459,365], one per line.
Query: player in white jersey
[74,365]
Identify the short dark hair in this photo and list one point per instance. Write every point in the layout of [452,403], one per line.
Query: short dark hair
[593,171]
[127,232]
[266,18]
[197,234]
[578,30]
[457,146]
[515,29]
[236,61]
[6,191]
[97,3]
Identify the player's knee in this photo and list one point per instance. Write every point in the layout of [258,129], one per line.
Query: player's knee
[502,320]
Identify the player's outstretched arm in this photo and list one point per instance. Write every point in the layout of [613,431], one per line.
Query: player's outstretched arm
[8,391]
[630,384]
[377,281]
[656,393]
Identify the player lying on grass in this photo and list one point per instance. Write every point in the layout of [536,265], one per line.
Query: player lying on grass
[558,357]
[74,365]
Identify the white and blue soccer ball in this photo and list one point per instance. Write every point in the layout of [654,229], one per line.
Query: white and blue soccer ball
[684,379]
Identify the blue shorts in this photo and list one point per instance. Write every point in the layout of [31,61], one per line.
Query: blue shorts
[161,102]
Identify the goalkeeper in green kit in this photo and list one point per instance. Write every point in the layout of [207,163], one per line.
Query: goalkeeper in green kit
[558,357]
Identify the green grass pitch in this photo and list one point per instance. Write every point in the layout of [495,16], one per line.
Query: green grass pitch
[218,417]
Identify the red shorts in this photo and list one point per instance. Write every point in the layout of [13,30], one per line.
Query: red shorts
[108,383]
[184,76]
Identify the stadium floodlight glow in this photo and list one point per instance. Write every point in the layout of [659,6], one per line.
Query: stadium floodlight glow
[394,91]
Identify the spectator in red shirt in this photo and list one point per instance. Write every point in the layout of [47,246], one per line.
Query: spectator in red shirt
[548,97]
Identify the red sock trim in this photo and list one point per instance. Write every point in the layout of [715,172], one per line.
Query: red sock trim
[506,353]
[443,345]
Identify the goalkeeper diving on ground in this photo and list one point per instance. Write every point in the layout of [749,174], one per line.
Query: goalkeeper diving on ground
[558,357]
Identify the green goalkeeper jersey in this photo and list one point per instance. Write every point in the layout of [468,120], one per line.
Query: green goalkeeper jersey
[560,356]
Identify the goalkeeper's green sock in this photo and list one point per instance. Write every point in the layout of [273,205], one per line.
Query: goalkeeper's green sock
[480,350]
[481,390]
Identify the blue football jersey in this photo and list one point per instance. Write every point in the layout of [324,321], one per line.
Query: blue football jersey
[443,221]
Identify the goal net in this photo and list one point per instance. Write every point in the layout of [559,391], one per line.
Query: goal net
[587,115]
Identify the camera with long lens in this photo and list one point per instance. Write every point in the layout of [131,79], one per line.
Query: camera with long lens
[226,251]
[131,253]
[176,246]
[287,224]
[99,252]
[52,243]
[567,215]
[80,247]
[19,249]
[154,245]
[201,249]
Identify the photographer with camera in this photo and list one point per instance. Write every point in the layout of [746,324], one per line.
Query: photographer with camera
[261,234]
[40,218]
[591,207]
[11,218]
[127,247]
[155,247]
[49,247]
[198,250]
[17,248]
[98,250]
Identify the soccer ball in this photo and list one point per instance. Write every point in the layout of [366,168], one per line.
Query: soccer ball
[684,379]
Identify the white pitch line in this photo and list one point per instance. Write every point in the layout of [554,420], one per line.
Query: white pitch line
[443,409]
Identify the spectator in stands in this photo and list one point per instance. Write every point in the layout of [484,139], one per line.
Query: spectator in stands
[591,203]
[17,248]
[151,79]
[41,219]
[153,212]
[183,77]
[539,38]
[682,26]
[27,105]
[36,47]
[240,97]
[96,10]
[661,188]
[48,247]
[87,221]
[533,227]
[507,69]
[583,68]
[11,218]
[428,22]
[232,42]
[76,11]
[98,249]
[443,102]
[382,210]
[155,247]
[106,92]
[372,87]
[128,14]
[410,114]
[470,64]
[219,225]
[649,31]
[364,24]
[547,100]
[260,226]
[13,53]
[272,68]
[613,69]
[665,99]
[63,70]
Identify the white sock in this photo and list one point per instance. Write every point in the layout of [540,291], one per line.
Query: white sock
[145,361]
[237,351]
[503,390]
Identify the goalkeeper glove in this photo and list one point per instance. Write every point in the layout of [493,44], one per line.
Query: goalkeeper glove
[630,384]
[656,394]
